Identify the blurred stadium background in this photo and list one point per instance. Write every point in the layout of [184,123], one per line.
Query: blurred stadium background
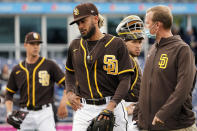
[51,19]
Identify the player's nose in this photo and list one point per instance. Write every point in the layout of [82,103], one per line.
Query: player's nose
[80,27]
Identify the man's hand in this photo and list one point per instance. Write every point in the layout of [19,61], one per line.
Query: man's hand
[16,118]
[109,107]
[74,101]
[130,109]
[156,120]
[62,109]
[104,123]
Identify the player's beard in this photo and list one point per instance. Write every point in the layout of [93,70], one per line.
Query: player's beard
[90,33]
[134,54]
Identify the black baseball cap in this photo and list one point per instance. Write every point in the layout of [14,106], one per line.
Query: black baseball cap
[33,37]
[84,10]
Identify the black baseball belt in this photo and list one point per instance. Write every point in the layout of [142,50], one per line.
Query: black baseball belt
[37,107]
[96,101]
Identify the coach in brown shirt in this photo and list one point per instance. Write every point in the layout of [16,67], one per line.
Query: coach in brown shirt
[165,101]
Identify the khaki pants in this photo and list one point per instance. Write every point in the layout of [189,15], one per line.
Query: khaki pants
[191,128]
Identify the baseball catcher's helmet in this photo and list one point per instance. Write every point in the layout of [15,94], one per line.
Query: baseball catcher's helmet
[131,28]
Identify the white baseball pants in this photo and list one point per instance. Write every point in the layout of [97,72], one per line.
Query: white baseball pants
[83,117]
[131,126]
[41,120]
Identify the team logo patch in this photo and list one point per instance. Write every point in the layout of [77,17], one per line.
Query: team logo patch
[44,78]
[35,35]
[76,11]
[110,64]
[163,61]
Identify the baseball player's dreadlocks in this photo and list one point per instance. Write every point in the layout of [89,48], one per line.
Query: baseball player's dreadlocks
[131,28]
[101,21]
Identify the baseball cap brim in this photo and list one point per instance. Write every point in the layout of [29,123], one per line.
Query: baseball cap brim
[35,41]
[79,18]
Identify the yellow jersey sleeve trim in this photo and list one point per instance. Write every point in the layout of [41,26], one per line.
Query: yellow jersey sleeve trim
[69,69]
[109,41]
[125,71]
[60,81]
[10,90]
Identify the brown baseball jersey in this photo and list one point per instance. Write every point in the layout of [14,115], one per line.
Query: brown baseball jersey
[100,75]
[35,82]
[134,90]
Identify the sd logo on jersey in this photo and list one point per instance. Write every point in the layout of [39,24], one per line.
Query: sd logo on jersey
[110,64]
[44,78]
[163,61]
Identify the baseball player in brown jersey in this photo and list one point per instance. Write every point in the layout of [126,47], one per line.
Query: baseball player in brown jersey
[34,78]
[131,29]
[62,109]
[101,68]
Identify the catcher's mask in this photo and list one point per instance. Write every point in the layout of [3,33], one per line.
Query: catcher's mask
[131,28]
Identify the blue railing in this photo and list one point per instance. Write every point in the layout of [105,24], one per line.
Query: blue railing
[104,8]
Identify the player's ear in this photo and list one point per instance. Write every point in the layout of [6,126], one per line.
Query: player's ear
[25,45]
[158,24]
[96,19]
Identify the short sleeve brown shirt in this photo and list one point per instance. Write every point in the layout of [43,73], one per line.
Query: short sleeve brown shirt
[35,82]
[98,77]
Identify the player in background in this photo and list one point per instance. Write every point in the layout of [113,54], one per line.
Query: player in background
[34,78]
[131,30]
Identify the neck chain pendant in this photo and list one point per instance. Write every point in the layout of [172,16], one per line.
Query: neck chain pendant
[88,58]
